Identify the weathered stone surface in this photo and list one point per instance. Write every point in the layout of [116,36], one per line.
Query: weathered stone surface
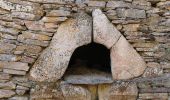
[22,6]
[97,3]
[19,98]
[5,57]
[54,60]
[27,59]
[28,35]
[103,31]
[131,13]
[5,4]
[6,47]
[12,25]
[53,19]
[2,11]
[53,1]
[32,42]
[161,96]
[131,27]
[153,72]
[58,13]
[44,91]
[20,92]
[125,61]
[117,4]
[25,16]
[15,72]
[28,49]
[8,85]
[4,76]
[15,65]
[118,91]
[84,75]
[7,36]
[12,31]
[72,92]
[38,26]
[6,93]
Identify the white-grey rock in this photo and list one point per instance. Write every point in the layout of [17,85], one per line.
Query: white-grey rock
[117,4]
[15,65]
[19,98]
[6,93]
[103,30]
[6,57]
[126,63]
[118,91]
[14,72]
[72,92]
[53,1]
[7,85]
[131,13]
[54,60]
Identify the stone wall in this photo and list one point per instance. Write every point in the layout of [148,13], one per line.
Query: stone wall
[27,27]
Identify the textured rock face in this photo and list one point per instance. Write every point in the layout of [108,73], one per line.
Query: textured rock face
[71,92]
[6,93]
[126,62]
[103,31]
[118,91]
[71,34]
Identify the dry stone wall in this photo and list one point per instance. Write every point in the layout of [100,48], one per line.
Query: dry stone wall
[27,27]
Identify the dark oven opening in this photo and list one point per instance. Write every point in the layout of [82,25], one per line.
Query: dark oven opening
[89,64]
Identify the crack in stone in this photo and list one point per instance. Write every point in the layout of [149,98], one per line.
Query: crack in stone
[117,40]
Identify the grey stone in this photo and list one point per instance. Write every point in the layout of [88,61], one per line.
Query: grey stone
[12,25]
[6,93]
[153,72]
[34,36]
[97,3]
[117,4]
[166,23]
[19,98]
[126,63]
[58,13]
[25,16]
[20,92]
[21,6]
[14,72]
[6,47]
[4,76]
[53,1]
[33,42]
[8,36]
[54,60]
[7,85]
[72,92]
[3,11]
[44,91]
[131,13]
[6,57]
[38,26]
[118,91]
[12,31]
[53,19]
[103,30]
[15,65]
[6,17]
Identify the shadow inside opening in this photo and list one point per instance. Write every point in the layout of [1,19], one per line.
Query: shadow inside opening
[89,64]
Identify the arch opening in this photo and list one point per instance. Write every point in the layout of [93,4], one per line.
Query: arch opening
[90,61]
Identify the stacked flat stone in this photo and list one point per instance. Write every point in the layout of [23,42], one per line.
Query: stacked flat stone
[28,26]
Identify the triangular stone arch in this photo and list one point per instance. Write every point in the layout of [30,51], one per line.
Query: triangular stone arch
[126,63]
